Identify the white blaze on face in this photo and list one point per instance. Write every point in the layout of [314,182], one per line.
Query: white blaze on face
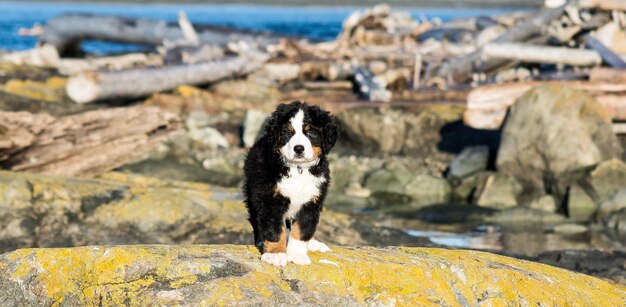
[299,138]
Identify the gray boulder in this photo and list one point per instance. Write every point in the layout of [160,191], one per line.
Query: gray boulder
[500,192]
[425,189]
[394,130]
[608,178]
[580,206]
[550,132]
[471,160]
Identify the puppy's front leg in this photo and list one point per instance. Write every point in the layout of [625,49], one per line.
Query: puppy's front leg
[274,247]
[302,231]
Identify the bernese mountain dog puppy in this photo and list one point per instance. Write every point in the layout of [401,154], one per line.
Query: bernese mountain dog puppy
[286,181]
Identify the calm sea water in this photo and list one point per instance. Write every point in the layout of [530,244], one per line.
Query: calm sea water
[319,23]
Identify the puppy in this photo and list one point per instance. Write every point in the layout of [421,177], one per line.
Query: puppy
[286,181]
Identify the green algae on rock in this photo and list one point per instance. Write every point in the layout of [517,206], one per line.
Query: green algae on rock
[217,275]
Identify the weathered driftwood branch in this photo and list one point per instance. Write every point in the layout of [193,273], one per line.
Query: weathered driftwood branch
[608,75]
[542,54]
[487,105]
[609,5]
[605,53]
[92,86]
[67,31]
[371,87]
[81,145]
[460,69]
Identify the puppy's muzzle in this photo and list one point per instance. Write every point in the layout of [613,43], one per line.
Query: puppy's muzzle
[299,150]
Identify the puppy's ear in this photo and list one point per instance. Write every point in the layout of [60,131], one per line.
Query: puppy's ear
[324,120]
[272,127]
[330,134]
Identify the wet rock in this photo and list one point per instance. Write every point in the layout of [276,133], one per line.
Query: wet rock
[471,160]
[221,274]
[545,203]
[580,206]
[252,125]
[500,192]
[616,221]
[550,132]
[373,131]
[607,178]
[521,215]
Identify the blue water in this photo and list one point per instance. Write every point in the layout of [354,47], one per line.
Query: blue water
[319,23]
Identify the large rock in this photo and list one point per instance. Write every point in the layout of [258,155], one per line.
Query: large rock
[40,211]
[608,178]
[470,161]
[395,183]
[580,206]
[500,192]
[225,274]
[425,189]
[395,130]
[549,133]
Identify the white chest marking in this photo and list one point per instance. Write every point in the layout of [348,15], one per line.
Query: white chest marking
[300,189]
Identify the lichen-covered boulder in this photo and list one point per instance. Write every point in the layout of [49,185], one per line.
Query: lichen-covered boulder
[205,275]
[551,132]
[117,208]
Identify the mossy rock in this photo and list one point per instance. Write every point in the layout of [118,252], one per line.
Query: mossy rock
[217,275]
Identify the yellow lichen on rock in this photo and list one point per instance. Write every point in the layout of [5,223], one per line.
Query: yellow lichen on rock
[224,274]
[52,90]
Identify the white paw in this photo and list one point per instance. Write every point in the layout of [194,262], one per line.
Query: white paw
[317,246]
[296,252]
[299,259]
[278,259]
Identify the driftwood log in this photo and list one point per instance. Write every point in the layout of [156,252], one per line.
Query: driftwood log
[67,31]
[542,54]
[487,106]
[460,69]
[85,144]
[92,86]
[608,75]
[370,87]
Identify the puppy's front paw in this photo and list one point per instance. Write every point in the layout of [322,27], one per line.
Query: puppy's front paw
[317,246]
[299,259]
[277,259]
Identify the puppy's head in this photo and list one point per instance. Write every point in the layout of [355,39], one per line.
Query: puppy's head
[301,133]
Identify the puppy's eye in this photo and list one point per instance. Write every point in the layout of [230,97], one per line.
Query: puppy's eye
[311,133]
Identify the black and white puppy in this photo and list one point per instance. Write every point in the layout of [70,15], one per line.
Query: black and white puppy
[286,181]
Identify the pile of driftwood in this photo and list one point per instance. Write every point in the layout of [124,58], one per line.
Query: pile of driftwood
[385,56]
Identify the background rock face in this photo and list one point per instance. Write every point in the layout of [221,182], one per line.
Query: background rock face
[222,274]
[395,130]
[551,131]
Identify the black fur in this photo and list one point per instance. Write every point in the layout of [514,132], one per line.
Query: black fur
[265,166]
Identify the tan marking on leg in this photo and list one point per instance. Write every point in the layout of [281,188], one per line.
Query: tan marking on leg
[295,231]
[276,247]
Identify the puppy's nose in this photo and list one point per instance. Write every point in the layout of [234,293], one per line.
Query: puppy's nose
[299,149]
